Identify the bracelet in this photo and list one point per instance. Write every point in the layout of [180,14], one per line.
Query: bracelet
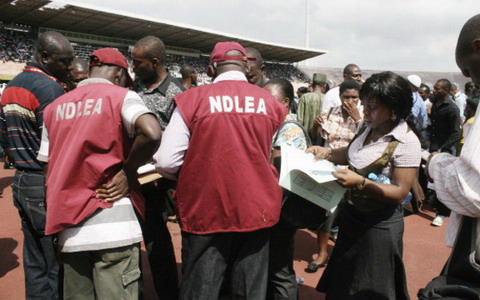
[329,154]
[360,186]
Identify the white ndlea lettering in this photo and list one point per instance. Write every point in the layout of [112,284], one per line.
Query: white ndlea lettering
[227,104]
[70,110]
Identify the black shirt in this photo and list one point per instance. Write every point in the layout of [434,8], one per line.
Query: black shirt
[445,131]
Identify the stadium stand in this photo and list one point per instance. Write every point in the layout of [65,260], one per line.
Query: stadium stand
[17,47]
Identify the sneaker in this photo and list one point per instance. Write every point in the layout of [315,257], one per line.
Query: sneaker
[438,221]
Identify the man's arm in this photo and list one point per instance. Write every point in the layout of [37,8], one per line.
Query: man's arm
[457,179]
[148,136]
[175,140]
[454,136]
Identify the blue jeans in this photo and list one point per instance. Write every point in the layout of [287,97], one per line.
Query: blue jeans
[39,260]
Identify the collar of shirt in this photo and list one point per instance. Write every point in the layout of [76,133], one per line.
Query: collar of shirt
[399,132]
[230,75]
[93,80]
[35,65]
[161,87]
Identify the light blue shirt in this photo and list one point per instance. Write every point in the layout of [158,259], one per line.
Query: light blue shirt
[419,111]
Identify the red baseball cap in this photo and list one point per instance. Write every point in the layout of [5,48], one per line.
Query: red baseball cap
[110,56]
[221,49]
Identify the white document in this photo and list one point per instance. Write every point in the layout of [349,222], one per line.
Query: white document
[309,178]
[148,168]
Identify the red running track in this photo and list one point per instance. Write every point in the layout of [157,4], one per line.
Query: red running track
[424,251]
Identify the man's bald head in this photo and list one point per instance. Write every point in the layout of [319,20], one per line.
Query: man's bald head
[189,76]
[148,60]
[255,67]
[352,72]
[469,32]
[78,71]
[187,70]
[153,47]
[468,49]
[54,53]
[252,52]
[52,42]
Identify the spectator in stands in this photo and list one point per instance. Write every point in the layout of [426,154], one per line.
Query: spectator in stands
[469,88]
[189,76]
[78,72]
[226,215]
[445,133]
[87,200]
[460,100]
[23,103]
[310,104]
[15,46]
[332,98]
[157,88]
[256,68]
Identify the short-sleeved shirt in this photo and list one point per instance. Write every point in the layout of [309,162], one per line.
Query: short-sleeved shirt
[160,98]
[335,130]
[406,155]
[290,134]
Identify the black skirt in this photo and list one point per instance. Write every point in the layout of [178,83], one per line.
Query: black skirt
[366,262]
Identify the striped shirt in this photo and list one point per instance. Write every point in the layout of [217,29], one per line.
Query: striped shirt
[457,182]
[105,229]
[21,115]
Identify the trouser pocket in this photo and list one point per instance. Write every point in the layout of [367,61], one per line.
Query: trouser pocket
[36,212]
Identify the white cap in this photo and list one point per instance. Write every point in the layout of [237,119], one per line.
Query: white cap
[415,80]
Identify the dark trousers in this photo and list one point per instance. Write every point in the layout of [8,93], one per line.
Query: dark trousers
[39,260]
[158,241]
[282,281]
[206,257]
[441,208]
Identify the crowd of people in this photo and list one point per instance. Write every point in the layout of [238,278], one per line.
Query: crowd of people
[15,46]
[84,129]
[19,47]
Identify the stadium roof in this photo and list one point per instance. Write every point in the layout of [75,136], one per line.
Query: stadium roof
[94,20]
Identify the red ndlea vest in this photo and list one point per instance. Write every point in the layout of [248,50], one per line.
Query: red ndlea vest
[87,146]
[226,183]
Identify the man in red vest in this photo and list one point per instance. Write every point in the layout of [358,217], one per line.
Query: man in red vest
[227,192]
[94,139]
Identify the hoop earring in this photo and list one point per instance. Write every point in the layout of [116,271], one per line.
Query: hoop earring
[394,117]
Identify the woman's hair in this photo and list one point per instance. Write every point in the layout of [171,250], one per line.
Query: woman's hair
[285,86]
[391,90]
[349,85]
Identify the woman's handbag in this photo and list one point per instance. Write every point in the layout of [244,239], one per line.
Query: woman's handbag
[460,278]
